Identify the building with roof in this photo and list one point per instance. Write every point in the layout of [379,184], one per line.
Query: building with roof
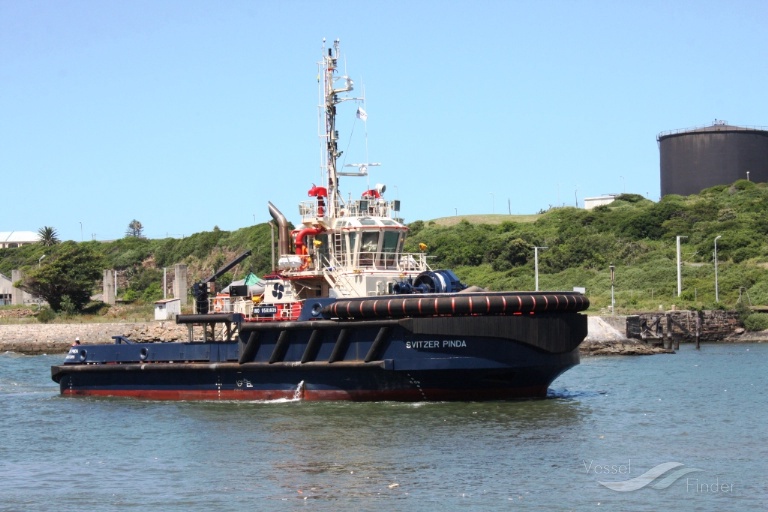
[12,295]
[17,238]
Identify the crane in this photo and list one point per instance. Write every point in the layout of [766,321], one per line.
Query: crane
[200,288]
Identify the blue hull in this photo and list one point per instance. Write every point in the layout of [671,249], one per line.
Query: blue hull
[409,359]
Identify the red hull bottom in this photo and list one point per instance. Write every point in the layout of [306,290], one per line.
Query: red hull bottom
[410,395]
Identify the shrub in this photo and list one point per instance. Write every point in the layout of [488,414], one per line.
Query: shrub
[130,296]
[152,293]
[46,315]
[68,306]
[756,322]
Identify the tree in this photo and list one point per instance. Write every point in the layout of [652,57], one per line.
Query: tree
[135,229]
[48,236]
[67,279]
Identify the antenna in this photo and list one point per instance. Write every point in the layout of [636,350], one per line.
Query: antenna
[362,169]
[363,116]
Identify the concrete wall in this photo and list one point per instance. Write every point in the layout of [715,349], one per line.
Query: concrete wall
[180,283]
[108,287]
[19,296]
[713,325]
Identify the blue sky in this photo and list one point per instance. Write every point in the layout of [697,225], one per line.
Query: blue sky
[187,115]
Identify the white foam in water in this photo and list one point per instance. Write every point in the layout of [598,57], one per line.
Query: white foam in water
[297,397]
[299,393]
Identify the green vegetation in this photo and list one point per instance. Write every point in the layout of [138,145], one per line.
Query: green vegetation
[634,234]
[66,280]
[135,229]
[48,236]
[139,262]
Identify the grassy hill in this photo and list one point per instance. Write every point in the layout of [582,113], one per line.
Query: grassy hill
[634,234]
[484,219]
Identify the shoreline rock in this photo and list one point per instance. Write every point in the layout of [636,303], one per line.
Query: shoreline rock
[36,339]
[603,339]
[742,336]
[624,347]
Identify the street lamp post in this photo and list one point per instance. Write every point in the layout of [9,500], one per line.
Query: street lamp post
[536,264]
[40,259]
[717,294]
[613,301]
[679,275]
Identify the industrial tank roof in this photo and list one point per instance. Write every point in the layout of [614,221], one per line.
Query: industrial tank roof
[717,126]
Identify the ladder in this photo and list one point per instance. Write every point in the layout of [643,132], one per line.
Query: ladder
[336,279]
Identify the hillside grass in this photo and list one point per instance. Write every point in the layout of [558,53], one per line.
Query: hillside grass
[484,219]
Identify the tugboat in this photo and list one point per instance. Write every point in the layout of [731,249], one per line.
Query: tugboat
[344,315]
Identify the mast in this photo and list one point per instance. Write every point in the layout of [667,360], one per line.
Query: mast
[331,99]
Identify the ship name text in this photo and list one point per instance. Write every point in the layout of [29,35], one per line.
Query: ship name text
[436,344]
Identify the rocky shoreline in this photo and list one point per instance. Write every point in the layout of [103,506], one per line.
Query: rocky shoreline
[604,339]
[741,336]
[38,339]
[625,347]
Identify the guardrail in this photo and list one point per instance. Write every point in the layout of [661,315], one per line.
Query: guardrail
[726,127]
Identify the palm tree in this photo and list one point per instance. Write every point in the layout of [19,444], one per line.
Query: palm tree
[48,236]
[135,229]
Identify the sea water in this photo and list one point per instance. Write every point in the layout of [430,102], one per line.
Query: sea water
[683,432]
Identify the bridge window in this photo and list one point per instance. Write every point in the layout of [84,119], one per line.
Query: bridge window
[368,248]
[390,247]
[322,249]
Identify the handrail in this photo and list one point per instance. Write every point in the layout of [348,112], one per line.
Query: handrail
[360,208]
[726,127]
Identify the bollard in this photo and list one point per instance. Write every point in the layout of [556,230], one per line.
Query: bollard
[698,332]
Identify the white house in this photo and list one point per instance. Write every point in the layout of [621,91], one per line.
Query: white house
[17,238]
[167,309]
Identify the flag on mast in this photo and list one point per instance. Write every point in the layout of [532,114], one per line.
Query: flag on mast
[362,114]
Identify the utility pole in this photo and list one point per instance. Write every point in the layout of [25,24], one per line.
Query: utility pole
[717,294]
[679,275]
[613,275]
[536,264]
